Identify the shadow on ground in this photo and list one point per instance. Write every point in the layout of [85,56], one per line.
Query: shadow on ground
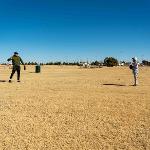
[3,81]
[115,84]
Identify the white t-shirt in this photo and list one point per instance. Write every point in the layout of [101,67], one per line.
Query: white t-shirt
[135,67]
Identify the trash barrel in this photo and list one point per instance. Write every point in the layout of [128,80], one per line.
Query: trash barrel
[37,69]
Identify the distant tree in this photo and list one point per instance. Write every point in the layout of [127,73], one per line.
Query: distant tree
[110,62]
[146,63]
[57,63]
[29,63]
[78,64]
[51,63]
[96,63]
[33,63]
[3,64]
[65,63]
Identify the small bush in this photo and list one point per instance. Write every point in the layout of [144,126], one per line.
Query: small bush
[110,62]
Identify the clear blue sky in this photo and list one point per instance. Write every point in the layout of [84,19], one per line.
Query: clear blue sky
[48,30]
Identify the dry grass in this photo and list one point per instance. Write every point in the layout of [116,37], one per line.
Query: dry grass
[69,108]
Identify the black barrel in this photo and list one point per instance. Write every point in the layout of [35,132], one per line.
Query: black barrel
[37,69]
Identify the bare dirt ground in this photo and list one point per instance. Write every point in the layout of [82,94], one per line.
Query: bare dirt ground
[67,108]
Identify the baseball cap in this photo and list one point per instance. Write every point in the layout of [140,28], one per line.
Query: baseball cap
[15,52]
[134,58]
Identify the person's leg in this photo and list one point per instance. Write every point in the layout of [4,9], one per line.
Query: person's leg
[13,72]
[18,73]
[137,82]
[135,79]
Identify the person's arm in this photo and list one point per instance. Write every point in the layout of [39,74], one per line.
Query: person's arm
[21,61]
[9,59]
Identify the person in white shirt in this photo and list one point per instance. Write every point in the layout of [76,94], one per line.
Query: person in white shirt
[135,69]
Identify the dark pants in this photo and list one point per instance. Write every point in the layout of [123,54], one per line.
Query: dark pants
[15,68]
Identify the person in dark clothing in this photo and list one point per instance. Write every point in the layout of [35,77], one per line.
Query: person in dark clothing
[16,62]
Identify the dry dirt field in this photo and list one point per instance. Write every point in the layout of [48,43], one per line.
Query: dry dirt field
[68,108]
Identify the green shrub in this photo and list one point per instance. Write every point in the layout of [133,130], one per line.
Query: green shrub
[110,62]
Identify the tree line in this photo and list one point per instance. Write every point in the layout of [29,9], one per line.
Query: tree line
[108,61]
[146,63]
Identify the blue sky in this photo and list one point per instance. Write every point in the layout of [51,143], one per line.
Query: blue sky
[66,30]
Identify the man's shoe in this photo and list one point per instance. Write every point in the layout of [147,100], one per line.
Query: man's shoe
[9,81]
[18,81]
